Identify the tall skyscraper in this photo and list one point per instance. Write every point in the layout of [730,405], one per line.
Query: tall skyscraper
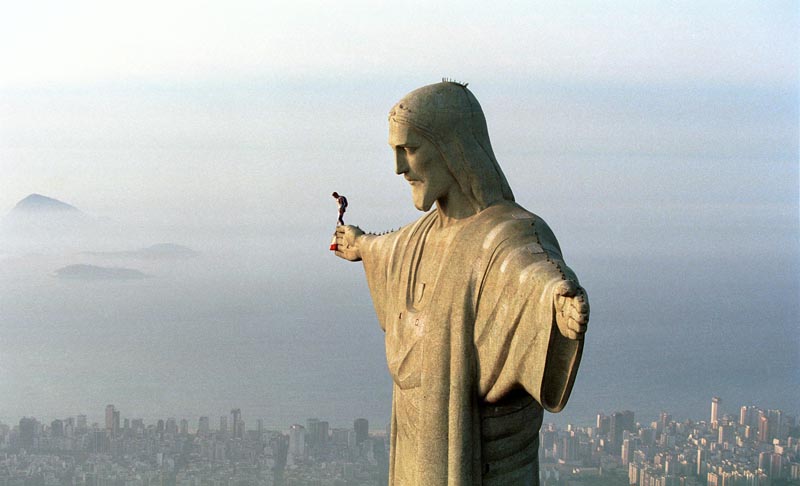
[27,433]
[603,424]
[109,418]
[115,423]
[81,424]
[775,466]
[746,415]
[322,433]
[627,452]
[620,422]
[701,462]
[763,427]
[203,426]
[361,428]
[568,448]
[112,421]
[69,427]
[764,459]
[297,440]
[171,426]
[715,411]
[236,423]
[775,424]
[223,424]
[57,428]
[663,421]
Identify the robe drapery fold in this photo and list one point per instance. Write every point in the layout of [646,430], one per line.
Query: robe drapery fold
[474,355]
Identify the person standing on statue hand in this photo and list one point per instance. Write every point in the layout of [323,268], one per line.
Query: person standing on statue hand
[342,203]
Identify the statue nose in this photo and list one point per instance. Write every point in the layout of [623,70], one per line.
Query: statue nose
[400,164]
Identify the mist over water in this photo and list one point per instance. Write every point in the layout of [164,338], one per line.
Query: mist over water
[277,326]
[687,246]
[237,325]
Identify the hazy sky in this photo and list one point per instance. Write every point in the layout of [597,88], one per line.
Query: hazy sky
[173,88]
[637,129]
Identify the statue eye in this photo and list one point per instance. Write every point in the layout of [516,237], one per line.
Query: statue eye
[410,150]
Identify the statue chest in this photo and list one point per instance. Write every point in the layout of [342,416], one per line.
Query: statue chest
[428,302]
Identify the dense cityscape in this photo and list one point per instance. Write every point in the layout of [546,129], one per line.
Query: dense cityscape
[756,447]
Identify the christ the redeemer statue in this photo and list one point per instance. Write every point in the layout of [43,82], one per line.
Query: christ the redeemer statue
[484,321]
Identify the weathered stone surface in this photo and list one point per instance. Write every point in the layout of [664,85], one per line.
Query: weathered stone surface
[484,321]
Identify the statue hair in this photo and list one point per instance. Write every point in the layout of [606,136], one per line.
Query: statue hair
[450,117]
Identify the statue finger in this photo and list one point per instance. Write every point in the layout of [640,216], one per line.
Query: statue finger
[577,326]
[566,288]
[578,317]
[581,306]
[569,304]
[574,332]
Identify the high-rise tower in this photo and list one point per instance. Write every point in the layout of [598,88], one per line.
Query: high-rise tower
[297,441]
[109,417]
[203,426]
[112,420]
[27,433]
[236,418]
[620,422]
[715,411]
[361,427]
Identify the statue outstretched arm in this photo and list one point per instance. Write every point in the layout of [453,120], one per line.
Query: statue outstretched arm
[536,339]
[570,316]
[348,241]
[571,305]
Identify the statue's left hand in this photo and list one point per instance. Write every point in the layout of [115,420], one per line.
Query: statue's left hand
[572,309]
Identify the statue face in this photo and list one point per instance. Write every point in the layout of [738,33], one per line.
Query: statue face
[421,164]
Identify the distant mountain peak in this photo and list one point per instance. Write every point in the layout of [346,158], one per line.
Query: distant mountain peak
[40,202]
[37,202]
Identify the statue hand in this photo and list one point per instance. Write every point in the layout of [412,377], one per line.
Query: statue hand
[347,241]
[572,309]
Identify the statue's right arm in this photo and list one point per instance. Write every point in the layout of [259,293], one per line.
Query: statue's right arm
[349,241]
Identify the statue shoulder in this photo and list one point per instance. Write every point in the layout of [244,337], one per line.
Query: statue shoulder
[386,243]
[511,224]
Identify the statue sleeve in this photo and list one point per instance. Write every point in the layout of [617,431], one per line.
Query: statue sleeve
[516,337]
[387,260]
[380,258]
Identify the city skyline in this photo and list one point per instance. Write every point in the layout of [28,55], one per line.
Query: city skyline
[756,447]
[112,414]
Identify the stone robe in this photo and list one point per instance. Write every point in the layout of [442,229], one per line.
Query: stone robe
[475,354]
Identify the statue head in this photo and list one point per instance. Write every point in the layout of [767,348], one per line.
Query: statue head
[448,116]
